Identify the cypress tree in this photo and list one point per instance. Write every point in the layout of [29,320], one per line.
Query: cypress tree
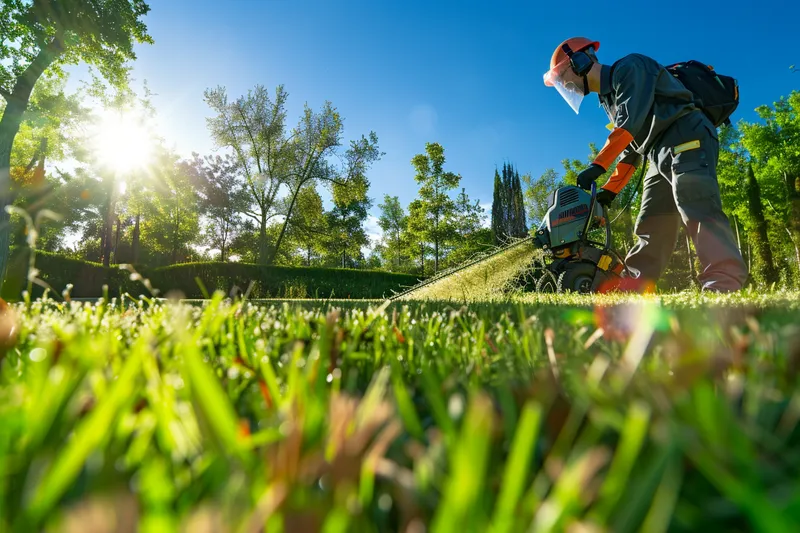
[759,231]
[508,200]
[498,222]
[520,225]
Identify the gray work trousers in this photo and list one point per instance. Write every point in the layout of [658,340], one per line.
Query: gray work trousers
[682,188]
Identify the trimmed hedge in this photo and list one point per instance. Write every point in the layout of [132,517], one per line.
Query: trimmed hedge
[279,281]
[59,271]
[88,279]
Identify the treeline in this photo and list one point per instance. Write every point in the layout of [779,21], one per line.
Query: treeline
[259,201]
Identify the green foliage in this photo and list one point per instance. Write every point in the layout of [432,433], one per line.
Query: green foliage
[308,226]
[471,237]
[253,128]
[278,281]
[508,206]
[222,197]
[433,216]
[88,278]
[83,279]
[345,234]
[96,32]
[677,415]
[393,222]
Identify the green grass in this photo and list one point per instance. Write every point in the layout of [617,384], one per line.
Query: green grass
[602,413]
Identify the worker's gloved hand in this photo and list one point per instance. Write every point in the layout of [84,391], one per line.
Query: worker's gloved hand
[588,175]
[605,197]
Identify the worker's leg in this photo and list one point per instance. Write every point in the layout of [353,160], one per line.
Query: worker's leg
[656,229]
[694,150]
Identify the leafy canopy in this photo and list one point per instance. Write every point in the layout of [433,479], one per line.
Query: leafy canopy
[100,33]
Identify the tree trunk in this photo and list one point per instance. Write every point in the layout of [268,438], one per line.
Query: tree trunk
[135,240]
[222,247]
[16,104]
[436,251]
[285,224]
[108,226]
[422,257]
[176,232]
[116,242]
[763,248]
[793,190]
[262,238]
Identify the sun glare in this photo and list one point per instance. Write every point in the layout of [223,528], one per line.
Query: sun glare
[122,142]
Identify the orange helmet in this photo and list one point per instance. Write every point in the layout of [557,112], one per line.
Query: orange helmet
[560,59]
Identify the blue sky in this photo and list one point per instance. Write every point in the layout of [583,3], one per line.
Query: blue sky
[465,74]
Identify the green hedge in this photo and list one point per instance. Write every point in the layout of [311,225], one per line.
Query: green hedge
[88,279]
[279,281]
[59,271]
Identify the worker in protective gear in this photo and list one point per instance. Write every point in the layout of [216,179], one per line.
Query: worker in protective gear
[654,116]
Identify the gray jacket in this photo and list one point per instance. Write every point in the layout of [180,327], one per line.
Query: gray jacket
[642,97]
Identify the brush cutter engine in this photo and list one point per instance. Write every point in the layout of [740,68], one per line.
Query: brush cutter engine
[572,261]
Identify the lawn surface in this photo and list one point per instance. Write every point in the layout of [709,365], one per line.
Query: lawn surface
[602,413]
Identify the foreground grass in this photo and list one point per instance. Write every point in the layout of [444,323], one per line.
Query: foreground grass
[611,413]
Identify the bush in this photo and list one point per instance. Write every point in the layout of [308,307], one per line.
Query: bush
[59,271]
[278,281]
[88,279]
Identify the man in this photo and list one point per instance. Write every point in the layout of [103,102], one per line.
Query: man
[653,115]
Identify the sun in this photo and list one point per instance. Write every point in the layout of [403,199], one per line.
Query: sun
[122,142]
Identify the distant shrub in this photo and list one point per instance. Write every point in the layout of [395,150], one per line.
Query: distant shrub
[279,281]
[88,279]
[57,271]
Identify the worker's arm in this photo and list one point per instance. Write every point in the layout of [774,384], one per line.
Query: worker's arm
[634,85]
[626,167]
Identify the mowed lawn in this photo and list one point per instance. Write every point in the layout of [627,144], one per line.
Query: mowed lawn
[550,413]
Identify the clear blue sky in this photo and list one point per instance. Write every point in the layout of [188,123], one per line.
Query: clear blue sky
[465,74]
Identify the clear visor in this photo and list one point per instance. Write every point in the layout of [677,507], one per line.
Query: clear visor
[568,90]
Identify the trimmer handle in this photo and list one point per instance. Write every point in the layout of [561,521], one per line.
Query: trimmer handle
[590,218]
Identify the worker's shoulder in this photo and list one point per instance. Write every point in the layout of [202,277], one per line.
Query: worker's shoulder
[636,61]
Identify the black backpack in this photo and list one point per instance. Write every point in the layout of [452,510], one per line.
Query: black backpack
[715,94]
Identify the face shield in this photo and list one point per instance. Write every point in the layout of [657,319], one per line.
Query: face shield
[568,90]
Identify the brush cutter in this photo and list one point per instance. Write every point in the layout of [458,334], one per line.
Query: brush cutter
[572,261]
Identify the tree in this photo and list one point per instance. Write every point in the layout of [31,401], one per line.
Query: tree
[253,127]
[415,235]
[171,219]
[222,197]
[519,226]
[345,222]
[472,237]
[498,211]
[775,146]
[763,248]
[538,194]
[393,221]
[508,206]
[308,228]
[437,208]
[51,125]
[44,35]
[315,138]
